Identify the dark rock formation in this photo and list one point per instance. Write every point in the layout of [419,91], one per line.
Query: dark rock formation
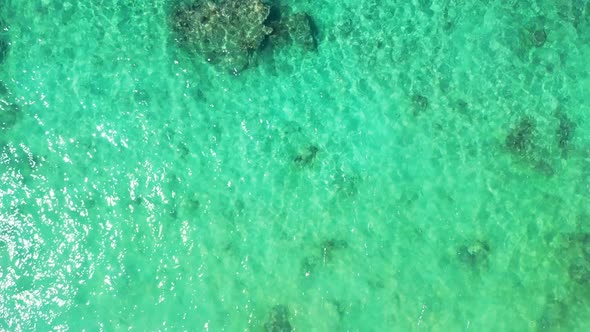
[309,264]
[306,156]
[554,316]
[520,143]
[520,138]
[579,272]
[291,28]
[327,250]
[419,103]
[223,32]
[572,252]
[3,49]
[474,254]
[3,90]
[278,320]
[228,33]
[10,113]
[531,34]
[577,247]
[302,31]
[534,33]
[564,133]
[4,41]
[346,184]
[330,246]
[538,37]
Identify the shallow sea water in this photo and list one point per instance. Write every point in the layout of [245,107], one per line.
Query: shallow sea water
[428,168]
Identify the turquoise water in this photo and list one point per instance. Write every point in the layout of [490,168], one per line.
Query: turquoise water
[427,168]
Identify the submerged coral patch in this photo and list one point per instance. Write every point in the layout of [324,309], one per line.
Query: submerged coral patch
[419,103]
[580,272]
[554,315]
[278,320]
[3,89]
[521,143]
[519,139]
[306,156]
[291,28]
[474,254]
[330,246]
[229,33]
[564,133]
[4,41]
[538,37]
[3,49]
[576,247]
[9,115]
[225,33]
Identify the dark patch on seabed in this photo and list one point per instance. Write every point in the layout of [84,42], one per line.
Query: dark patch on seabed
[474,254]
[573,251]
[231,34]
[564,132]
[323,255]
[306,156]
[522,143]
[278,319]
[10,113]
[4,41]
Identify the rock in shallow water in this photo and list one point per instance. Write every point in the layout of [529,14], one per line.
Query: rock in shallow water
[4,45]
[291,28]
[3,89]
[4,40]
[224,32]
[564,133]
[301,30]
[519,139]
[9,115]
[278,320]
[229,33]
[474,254]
